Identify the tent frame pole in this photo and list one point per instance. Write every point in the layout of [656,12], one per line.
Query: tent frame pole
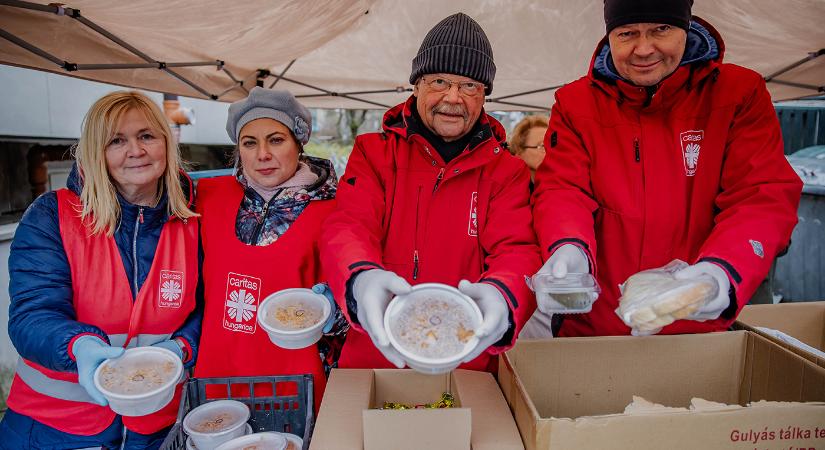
[799,85]
[811,56]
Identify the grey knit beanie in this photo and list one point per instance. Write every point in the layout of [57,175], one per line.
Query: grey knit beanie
[623,12]
[457,45]
[273,104]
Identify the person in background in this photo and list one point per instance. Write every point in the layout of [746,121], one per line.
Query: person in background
[527,142]
[435,197]
[260,233]
[661,152]
[109,262]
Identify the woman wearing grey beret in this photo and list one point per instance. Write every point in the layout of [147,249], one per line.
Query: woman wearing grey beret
[259,232]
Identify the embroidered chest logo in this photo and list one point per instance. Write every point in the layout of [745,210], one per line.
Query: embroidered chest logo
[691,142]
[758,250]
[171,289]
[242,295]
[472,226]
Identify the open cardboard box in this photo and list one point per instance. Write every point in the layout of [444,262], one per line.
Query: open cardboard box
[572,393]
[349,420]
[802,320]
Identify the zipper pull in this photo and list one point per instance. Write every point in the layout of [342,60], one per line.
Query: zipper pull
[438,179]
[636,149]
[415,264]
[140,214]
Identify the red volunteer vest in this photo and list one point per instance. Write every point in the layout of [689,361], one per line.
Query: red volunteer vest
[238,277]
[103,298]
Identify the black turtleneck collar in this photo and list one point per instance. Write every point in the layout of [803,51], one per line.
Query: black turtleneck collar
[447,150]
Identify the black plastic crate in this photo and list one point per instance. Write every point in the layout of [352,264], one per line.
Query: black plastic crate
[282,413]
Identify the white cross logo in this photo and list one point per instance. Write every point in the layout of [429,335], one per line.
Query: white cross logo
[241,305]
[170,290]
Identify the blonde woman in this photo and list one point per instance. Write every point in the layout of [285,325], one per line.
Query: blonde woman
[527,142]
[109,262]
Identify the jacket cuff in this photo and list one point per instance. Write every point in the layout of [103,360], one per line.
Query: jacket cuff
[185,347]
[74,339]
[355,269]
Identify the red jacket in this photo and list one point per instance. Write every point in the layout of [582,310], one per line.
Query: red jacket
[696,172]
[401,208]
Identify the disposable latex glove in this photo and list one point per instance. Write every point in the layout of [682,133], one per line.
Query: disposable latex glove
[713,308]
[566,259]
[90,352]
[373,289]
[323,289]
[494,313]
[172,346]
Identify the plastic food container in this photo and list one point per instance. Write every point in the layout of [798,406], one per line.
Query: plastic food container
[433,327]
[214,423]
[190,445]
[294,318]
[573,294]
[140,382]
[293,442]
[257,441]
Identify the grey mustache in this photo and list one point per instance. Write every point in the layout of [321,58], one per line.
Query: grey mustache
[443,108]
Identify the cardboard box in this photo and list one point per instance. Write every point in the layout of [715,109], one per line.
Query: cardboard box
[803,320]
[572,393]
[348,419]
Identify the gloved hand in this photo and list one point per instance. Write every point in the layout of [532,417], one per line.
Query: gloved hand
[494,311]
[89,352]
[172,346]
[373,289]
[713,308]
[566,259]
[323,289]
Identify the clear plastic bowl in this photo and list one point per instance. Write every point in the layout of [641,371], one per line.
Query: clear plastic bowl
[402,306]
[256,441]
[190,444]
[160,361]
[296,338]
[573,294]
[237,412]
[293,442]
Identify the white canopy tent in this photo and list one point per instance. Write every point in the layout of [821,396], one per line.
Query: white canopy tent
[357,53]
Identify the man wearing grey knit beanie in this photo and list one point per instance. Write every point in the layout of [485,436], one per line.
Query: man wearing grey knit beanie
[663,157]
[434,198]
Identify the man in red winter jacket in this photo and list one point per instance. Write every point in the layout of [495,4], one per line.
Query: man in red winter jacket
[663,152]
[435,197]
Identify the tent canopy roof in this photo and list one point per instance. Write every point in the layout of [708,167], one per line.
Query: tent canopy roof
[328,49]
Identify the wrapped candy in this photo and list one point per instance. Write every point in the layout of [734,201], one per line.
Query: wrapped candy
[446,401]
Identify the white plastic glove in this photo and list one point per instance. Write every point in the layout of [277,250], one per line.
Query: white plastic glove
[494,313]
[373,289]
[714,307]
[566,259]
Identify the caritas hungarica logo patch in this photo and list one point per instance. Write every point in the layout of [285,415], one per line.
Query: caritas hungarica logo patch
[241,305]
[691,142]
[171,289]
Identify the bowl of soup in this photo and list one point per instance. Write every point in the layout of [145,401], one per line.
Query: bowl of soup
[294,318]
[140,382]
[211,424]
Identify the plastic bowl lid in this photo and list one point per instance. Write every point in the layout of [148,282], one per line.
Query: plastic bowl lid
[156,357]
[264,441]
[402,306]
[216,418]
[294,295]
[571,283]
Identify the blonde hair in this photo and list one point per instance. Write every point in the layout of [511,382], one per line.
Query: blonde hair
[519,134]
[98,196]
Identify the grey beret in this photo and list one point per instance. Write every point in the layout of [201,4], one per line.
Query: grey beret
[273,104]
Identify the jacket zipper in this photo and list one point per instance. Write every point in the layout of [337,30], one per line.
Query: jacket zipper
[439,178]
[415,239]
[636,149]
[134,250]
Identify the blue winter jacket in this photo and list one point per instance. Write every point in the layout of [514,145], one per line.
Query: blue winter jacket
[42,320]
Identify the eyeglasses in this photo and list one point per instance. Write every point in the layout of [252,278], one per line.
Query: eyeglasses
[538,146]
[467,88]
